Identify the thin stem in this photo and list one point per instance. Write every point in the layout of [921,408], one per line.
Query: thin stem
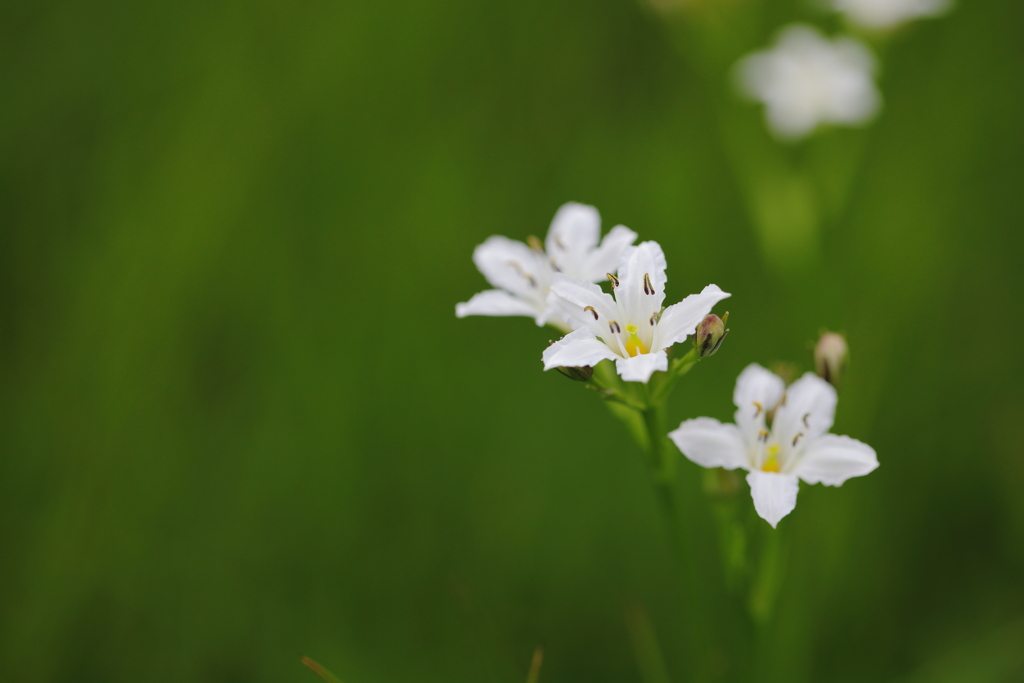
[662,461]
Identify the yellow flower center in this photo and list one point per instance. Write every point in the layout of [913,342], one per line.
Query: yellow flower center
[633,345]
[772,463]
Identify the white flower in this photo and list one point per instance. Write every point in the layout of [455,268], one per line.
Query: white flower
[884,14]
[629,328]
[807,80]
[796,447]
[522,274]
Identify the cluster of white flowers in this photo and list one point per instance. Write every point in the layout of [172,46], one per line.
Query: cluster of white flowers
[807,80]
[555,284]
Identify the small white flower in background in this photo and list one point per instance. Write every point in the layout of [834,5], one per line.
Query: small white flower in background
[522,274]
[797,447]
[884,14]
[807,80]
[630,328]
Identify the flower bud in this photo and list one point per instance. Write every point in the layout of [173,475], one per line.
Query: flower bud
[709,334]
[830,357]
[582,374]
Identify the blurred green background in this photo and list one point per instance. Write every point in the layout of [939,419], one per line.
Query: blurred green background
[239,422]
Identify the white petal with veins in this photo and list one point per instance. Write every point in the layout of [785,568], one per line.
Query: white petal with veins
[605,259]
[495,302]
[774,494]
[575,350]
[832,459]
[808,409]
[757,391]
[573,236]
[582,304]
[709,443]
[512,266]
[640,368]
[641,289]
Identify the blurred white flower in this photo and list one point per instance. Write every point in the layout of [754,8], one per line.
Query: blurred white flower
[796,447]
[807,80]
[884,14]
[630,328]
[522,274]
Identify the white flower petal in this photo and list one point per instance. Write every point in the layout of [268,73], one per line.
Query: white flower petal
[809,408]
[641,289]
[806,79]
[757,391]
[883,14]
[853,97]
[680,320]
[572,236]
[605,259]
[640,368]
[496,302]
[514,267]
[583,304]
[575,350]
[774,494]
[709,443]
[832,459]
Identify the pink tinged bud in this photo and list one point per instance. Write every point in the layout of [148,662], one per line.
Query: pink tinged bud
[831,356]
[709,334]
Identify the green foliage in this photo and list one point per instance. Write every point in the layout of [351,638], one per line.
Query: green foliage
[239,421]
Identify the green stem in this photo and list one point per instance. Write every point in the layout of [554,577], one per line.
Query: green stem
[661,456]
[767,580]
[642,408]
[657,442]
[679,367]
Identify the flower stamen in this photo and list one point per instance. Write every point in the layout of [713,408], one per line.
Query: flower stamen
[648,287]
[612,279]
[519,269]
[634,345]
[759,407]
[592,310]
[616,330]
